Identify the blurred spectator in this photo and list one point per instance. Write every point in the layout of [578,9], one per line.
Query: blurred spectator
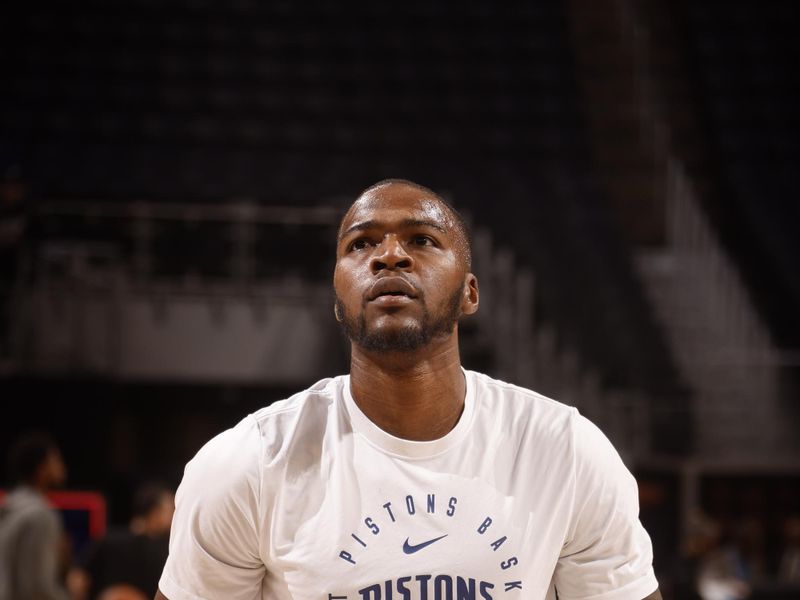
[33,558]
[702,536]
[750,538]
[789,567]
[734,564]
[127,564]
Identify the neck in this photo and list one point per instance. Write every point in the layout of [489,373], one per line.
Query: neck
[412,395]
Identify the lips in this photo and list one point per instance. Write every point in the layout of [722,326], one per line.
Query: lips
[391,286]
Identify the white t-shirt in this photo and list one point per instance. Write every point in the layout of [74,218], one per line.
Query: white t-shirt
[308,499]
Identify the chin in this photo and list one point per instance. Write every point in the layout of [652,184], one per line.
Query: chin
[395,339]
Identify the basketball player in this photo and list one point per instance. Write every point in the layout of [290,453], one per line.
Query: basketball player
[411,477]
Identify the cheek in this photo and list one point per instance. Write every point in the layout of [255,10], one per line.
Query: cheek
[447,277]
[339,277]
[345,278]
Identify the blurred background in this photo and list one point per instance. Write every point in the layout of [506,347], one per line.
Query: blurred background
[173,173]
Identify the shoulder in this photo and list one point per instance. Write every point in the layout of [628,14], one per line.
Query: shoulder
[552,426]
[302,417]
[520,405]
[223,505]
[26,506]
[509,391]
[599,469]
[527,423]
[308,403]
[262,437]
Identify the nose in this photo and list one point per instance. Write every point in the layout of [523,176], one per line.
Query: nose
[391,255]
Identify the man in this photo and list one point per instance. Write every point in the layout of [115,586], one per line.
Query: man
[31,534]
[411,478]
[132,559]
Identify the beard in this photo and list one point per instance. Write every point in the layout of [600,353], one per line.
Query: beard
[407,338]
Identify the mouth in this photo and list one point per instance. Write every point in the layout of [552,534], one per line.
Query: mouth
[386,289]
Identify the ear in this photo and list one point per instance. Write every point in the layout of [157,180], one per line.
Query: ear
[471,297]
[337,313]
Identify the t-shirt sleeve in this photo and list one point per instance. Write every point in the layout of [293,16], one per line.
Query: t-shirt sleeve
[607,554]
[214,542]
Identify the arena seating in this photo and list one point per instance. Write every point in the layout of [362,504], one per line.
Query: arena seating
[744,59]
[307,103]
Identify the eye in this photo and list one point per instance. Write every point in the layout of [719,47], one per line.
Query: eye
[422,240]
[358,244]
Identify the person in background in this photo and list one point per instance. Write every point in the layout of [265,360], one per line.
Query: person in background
[127,564]
[33,560]
[701,537]
[726,570]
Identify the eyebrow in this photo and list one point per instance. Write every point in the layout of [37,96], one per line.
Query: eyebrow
[404,224]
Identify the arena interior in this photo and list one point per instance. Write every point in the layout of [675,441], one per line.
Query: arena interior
[173,173]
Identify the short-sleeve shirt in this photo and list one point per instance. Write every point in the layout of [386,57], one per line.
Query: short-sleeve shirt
[308,499]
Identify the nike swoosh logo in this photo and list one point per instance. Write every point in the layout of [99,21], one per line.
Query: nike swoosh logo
[409,549]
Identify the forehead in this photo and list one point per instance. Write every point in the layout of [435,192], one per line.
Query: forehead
[396,203]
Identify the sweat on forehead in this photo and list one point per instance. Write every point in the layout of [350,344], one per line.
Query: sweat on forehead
[390,190]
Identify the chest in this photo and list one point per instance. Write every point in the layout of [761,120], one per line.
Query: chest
[374,527]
